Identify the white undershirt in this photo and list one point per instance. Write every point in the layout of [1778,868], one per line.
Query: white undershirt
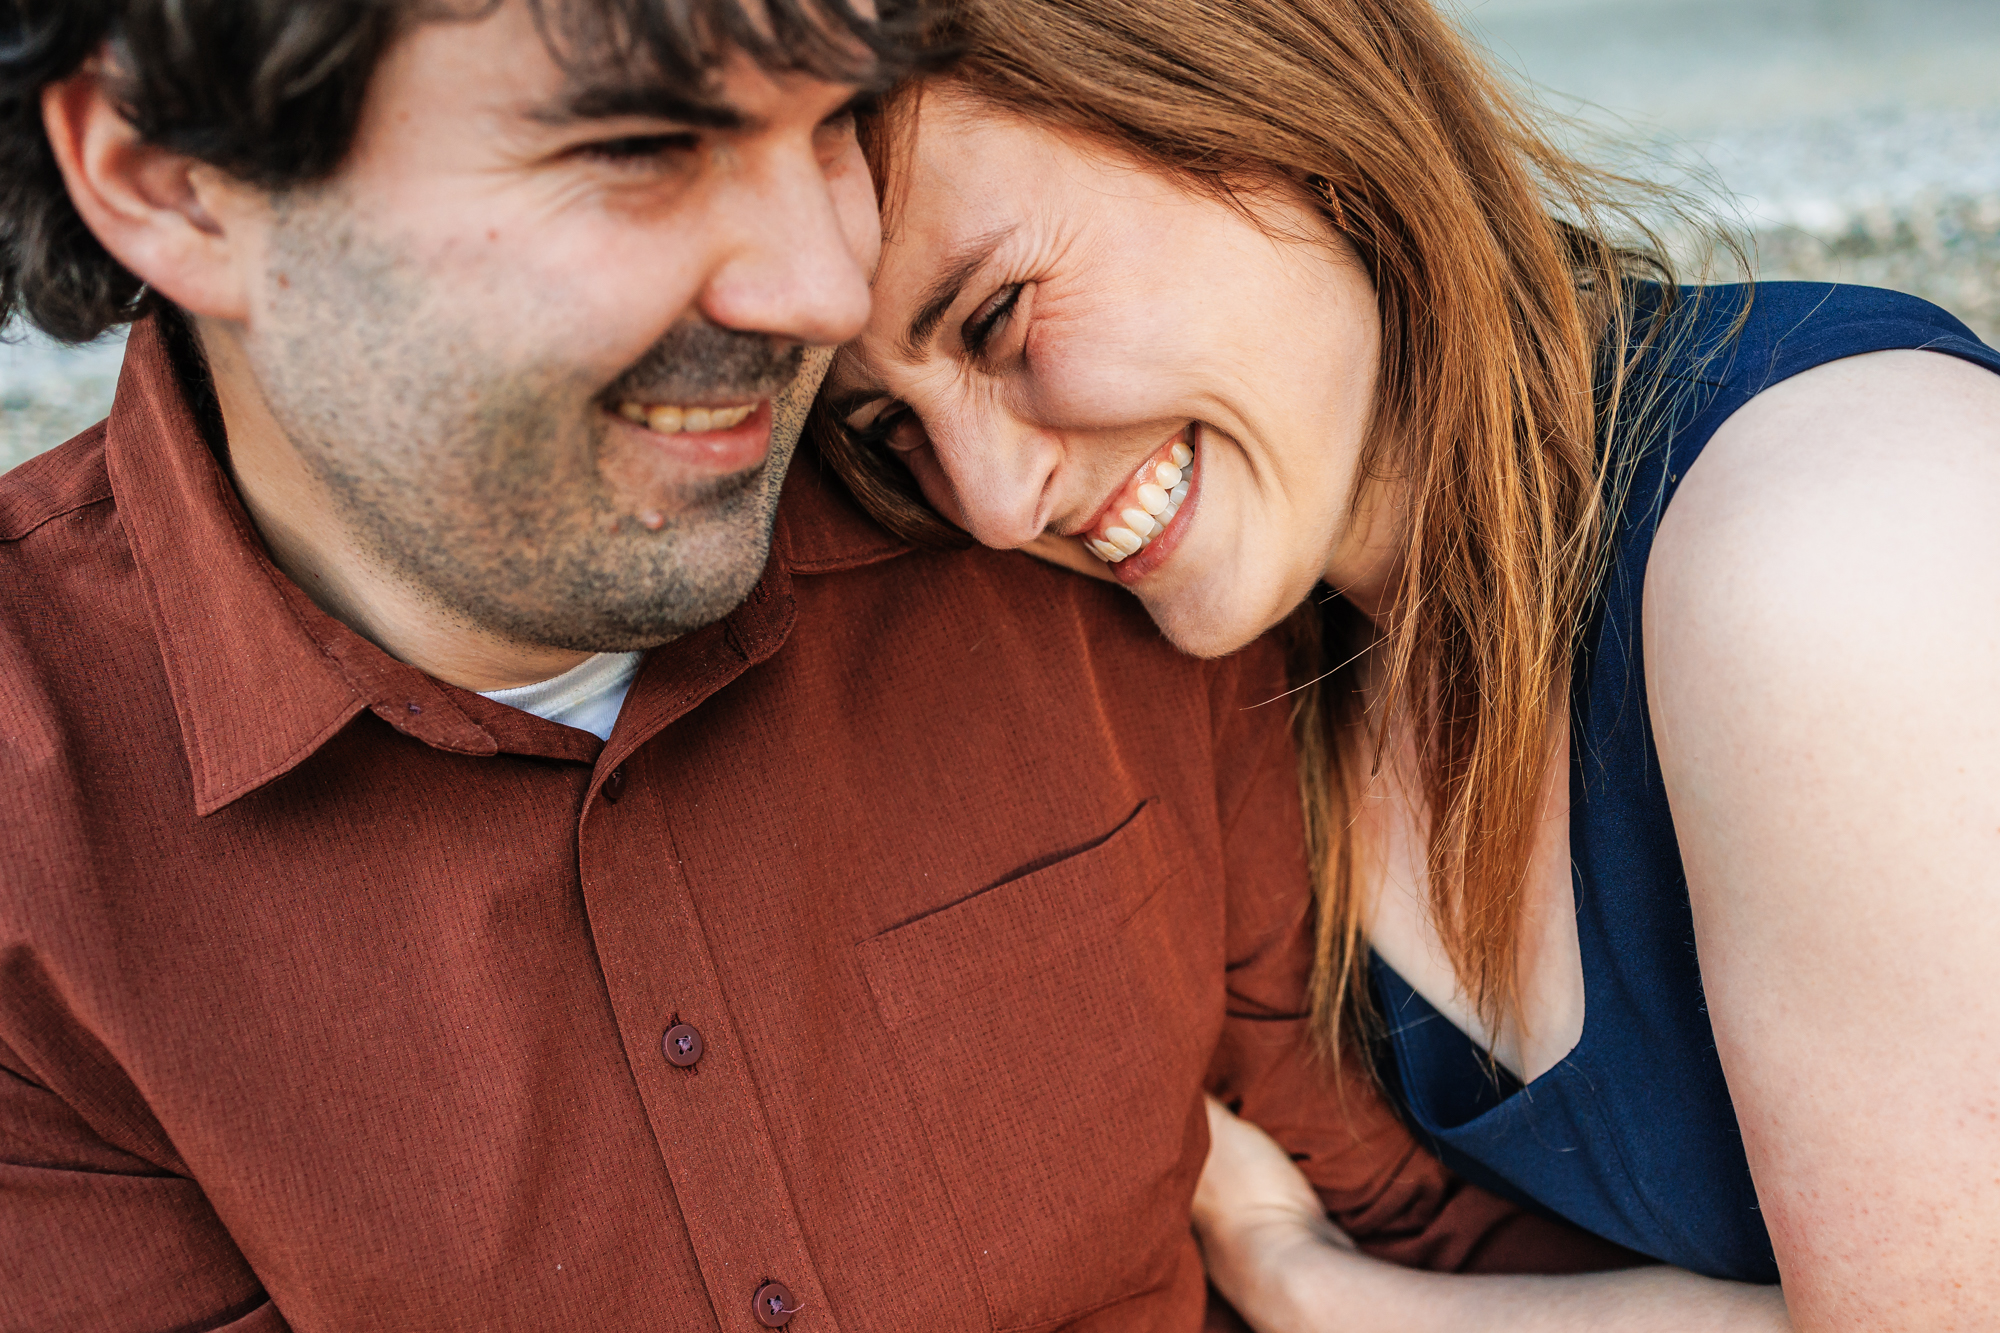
[587,696]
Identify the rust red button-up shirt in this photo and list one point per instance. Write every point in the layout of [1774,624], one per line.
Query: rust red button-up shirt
[336,998]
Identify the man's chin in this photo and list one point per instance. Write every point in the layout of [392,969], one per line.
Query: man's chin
[688,505]
[641,587]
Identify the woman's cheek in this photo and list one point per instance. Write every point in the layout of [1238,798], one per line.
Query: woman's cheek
[1102,377]
[935,483]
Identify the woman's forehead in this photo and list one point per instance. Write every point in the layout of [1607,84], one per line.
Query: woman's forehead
[849,383]
[968,165]
[975,173]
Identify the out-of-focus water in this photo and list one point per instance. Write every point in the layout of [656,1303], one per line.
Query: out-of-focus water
[49,392]
[1848,140]
[1701,66]
[1852,140]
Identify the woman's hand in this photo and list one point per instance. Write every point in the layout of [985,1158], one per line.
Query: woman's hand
[1287,1269]
[1259,1222]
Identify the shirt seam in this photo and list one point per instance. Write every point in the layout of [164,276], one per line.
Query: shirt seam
[760,1096]
[839,564]
[38,524]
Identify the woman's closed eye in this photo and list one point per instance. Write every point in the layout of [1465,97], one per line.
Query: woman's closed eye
[895,425]
[980,327]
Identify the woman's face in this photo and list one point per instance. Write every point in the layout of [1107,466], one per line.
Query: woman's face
[1082,358]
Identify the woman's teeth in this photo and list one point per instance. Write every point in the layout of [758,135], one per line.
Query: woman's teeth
[674,420]
[1150,501]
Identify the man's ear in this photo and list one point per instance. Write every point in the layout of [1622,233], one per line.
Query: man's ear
[184,228]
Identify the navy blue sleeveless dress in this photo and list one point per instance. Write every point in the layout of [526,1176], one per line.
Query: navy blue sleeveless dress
[1632,1136]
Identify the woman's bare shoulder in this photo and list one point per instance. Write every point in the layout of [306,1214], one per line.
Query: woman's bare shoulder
[1862,485]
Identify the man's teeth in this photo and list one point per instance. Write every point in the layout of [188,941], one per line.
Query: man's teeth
[1161,488]
[673,420]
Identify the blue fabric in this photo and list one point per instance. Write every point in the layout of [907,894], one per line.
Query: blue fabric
[1632,1136]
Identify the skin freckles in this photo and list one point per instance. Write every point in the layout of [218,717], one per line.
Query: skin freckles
[1110,311]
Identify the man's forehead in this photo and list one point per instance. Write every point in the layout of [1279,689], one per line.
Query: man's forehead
[696,62]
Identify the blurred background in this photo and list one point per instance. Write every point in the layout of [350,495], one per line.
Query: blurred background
[1845,140]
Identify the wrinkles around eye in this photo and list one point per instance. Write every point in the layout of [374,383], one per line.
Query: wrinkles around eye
[978,330]
[893,425]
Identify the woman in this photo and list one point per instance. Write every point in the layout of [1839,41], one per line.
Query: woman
[1668,922]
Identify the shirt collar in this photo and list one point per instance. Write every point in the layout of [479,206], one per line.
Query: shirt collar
[261,677]
[820,529]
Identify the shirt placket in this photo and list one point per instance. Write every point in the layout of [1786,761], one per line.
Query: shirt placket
[681,1039]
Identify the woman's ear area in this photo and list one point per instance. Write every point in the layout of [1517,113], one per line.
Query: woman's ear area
[184,228]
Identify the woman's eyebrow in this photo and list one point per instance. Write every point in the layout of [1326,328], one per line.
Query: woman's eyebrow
[945,288]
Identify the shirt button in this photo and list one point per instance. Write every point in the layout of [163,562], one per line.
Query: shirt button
[683,1048]
[775,1306]
[614,785]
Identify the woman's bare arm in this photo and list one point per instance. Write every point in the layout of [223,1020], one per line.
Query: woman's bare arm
[1287,1269]
[1822,650]
[1822,647]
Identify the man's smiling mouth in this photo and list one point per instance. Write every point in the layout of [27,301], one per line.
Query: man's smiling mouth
[673,418]
[1141,509]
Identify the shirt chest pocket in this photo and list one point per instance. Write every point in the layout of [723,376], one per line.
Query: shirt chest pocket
[1053,1032]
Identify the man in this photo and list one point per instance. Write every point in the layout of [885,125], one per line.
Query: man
[450,878]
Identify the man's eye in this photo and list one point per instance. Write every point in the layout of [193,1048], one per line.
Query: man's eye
[641,149]
[843,121]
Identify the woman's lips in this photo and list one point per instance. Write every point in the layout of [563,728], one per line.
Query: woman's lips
[1145,508]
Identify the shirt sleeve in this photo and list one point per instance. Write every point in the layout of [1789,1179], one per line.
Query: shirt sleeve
[92,1236]
[1396,1200]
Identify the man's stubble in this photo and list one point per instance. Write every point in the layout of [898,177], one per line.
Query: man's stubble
[472,475]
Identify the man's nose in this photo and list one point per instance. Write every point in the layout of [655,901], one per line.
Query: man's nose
[1000,470]
[792,262]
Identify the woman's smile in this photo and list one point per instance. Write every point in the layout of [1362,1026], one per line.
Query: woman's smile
[1141,523]
[1121,373]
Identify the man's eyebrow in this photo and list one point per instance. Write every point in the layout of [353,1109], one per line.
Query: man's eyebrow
[637,101]
[944,291]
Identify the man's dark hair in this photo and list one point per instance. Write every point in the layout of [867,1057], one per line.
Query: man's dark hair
[270,92]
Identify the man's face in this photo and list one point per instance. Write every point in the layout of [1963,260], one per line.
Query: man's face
[532,338]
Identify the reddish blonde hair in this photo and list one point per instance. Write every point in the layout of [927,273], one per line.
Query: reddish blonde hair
[1508,338]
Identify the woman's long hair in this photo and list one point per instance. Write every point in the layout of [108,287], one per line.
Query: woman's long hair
[1508,341]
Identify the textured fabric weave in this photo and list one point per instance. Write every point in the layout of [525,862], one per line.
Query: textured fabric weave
[333,997]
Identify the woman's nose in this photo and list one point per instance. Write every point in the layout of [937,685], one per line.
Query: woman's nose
[1001,473]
